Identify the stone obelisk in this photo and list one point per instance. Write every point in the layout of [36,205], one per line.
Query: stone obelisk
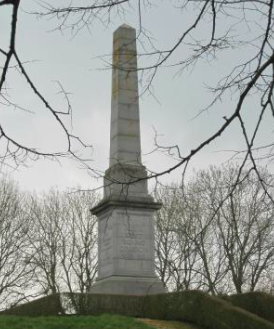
[126,261]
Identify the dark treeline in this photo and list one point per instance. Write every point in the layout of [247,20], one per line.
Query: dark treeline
[211,234]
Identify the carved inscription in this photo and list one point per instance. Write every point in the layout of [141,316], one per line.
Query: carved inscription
[133,245]
[106,244]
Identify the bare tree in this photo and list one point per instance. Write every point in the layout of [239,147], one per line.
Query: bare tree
[214,235]
[63,240]
[177,257]
[245,225]
[165,237]
[202,234]
[79,242]
[15,273]
[235,228]
[48,221]
[16,152]
[214,28]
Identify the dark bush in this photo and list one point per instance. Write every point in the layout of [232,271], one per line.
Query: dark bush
[94,304]
[258,303]
[201,309]
[45,306]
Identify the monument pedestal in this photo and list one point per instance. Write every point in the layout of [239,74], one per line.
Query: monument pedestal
[126,285]
[126,247]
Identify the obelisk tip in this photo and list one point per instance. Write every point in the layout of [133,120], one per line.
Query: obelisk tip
[125,26]
[125,30]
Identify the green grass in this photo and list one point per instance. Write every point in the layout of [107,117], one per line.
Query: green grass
[71,322]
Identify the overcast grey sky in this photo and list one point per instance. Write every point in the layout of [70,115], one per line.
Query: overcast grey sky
[75,63]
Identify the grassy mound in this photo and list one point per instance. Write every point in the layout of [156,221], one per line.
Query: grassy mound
[72,322]
[192,306]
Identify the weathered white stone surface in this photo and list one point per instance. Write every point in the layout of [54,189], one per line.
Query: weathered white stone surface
[125,124]
[126,260]
[122,182]
[126,243]
[121,285]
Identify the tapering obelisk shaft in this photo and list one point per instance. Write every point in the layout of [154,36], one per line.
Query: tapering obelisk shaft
[125,124]
[126,262]
[126,177]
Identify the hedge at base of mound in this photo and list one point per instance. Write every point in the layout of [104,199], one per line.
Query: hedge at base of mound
[95,304]
[201,309]
[192,306]
[79,304]
[259,303]
[45,306]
